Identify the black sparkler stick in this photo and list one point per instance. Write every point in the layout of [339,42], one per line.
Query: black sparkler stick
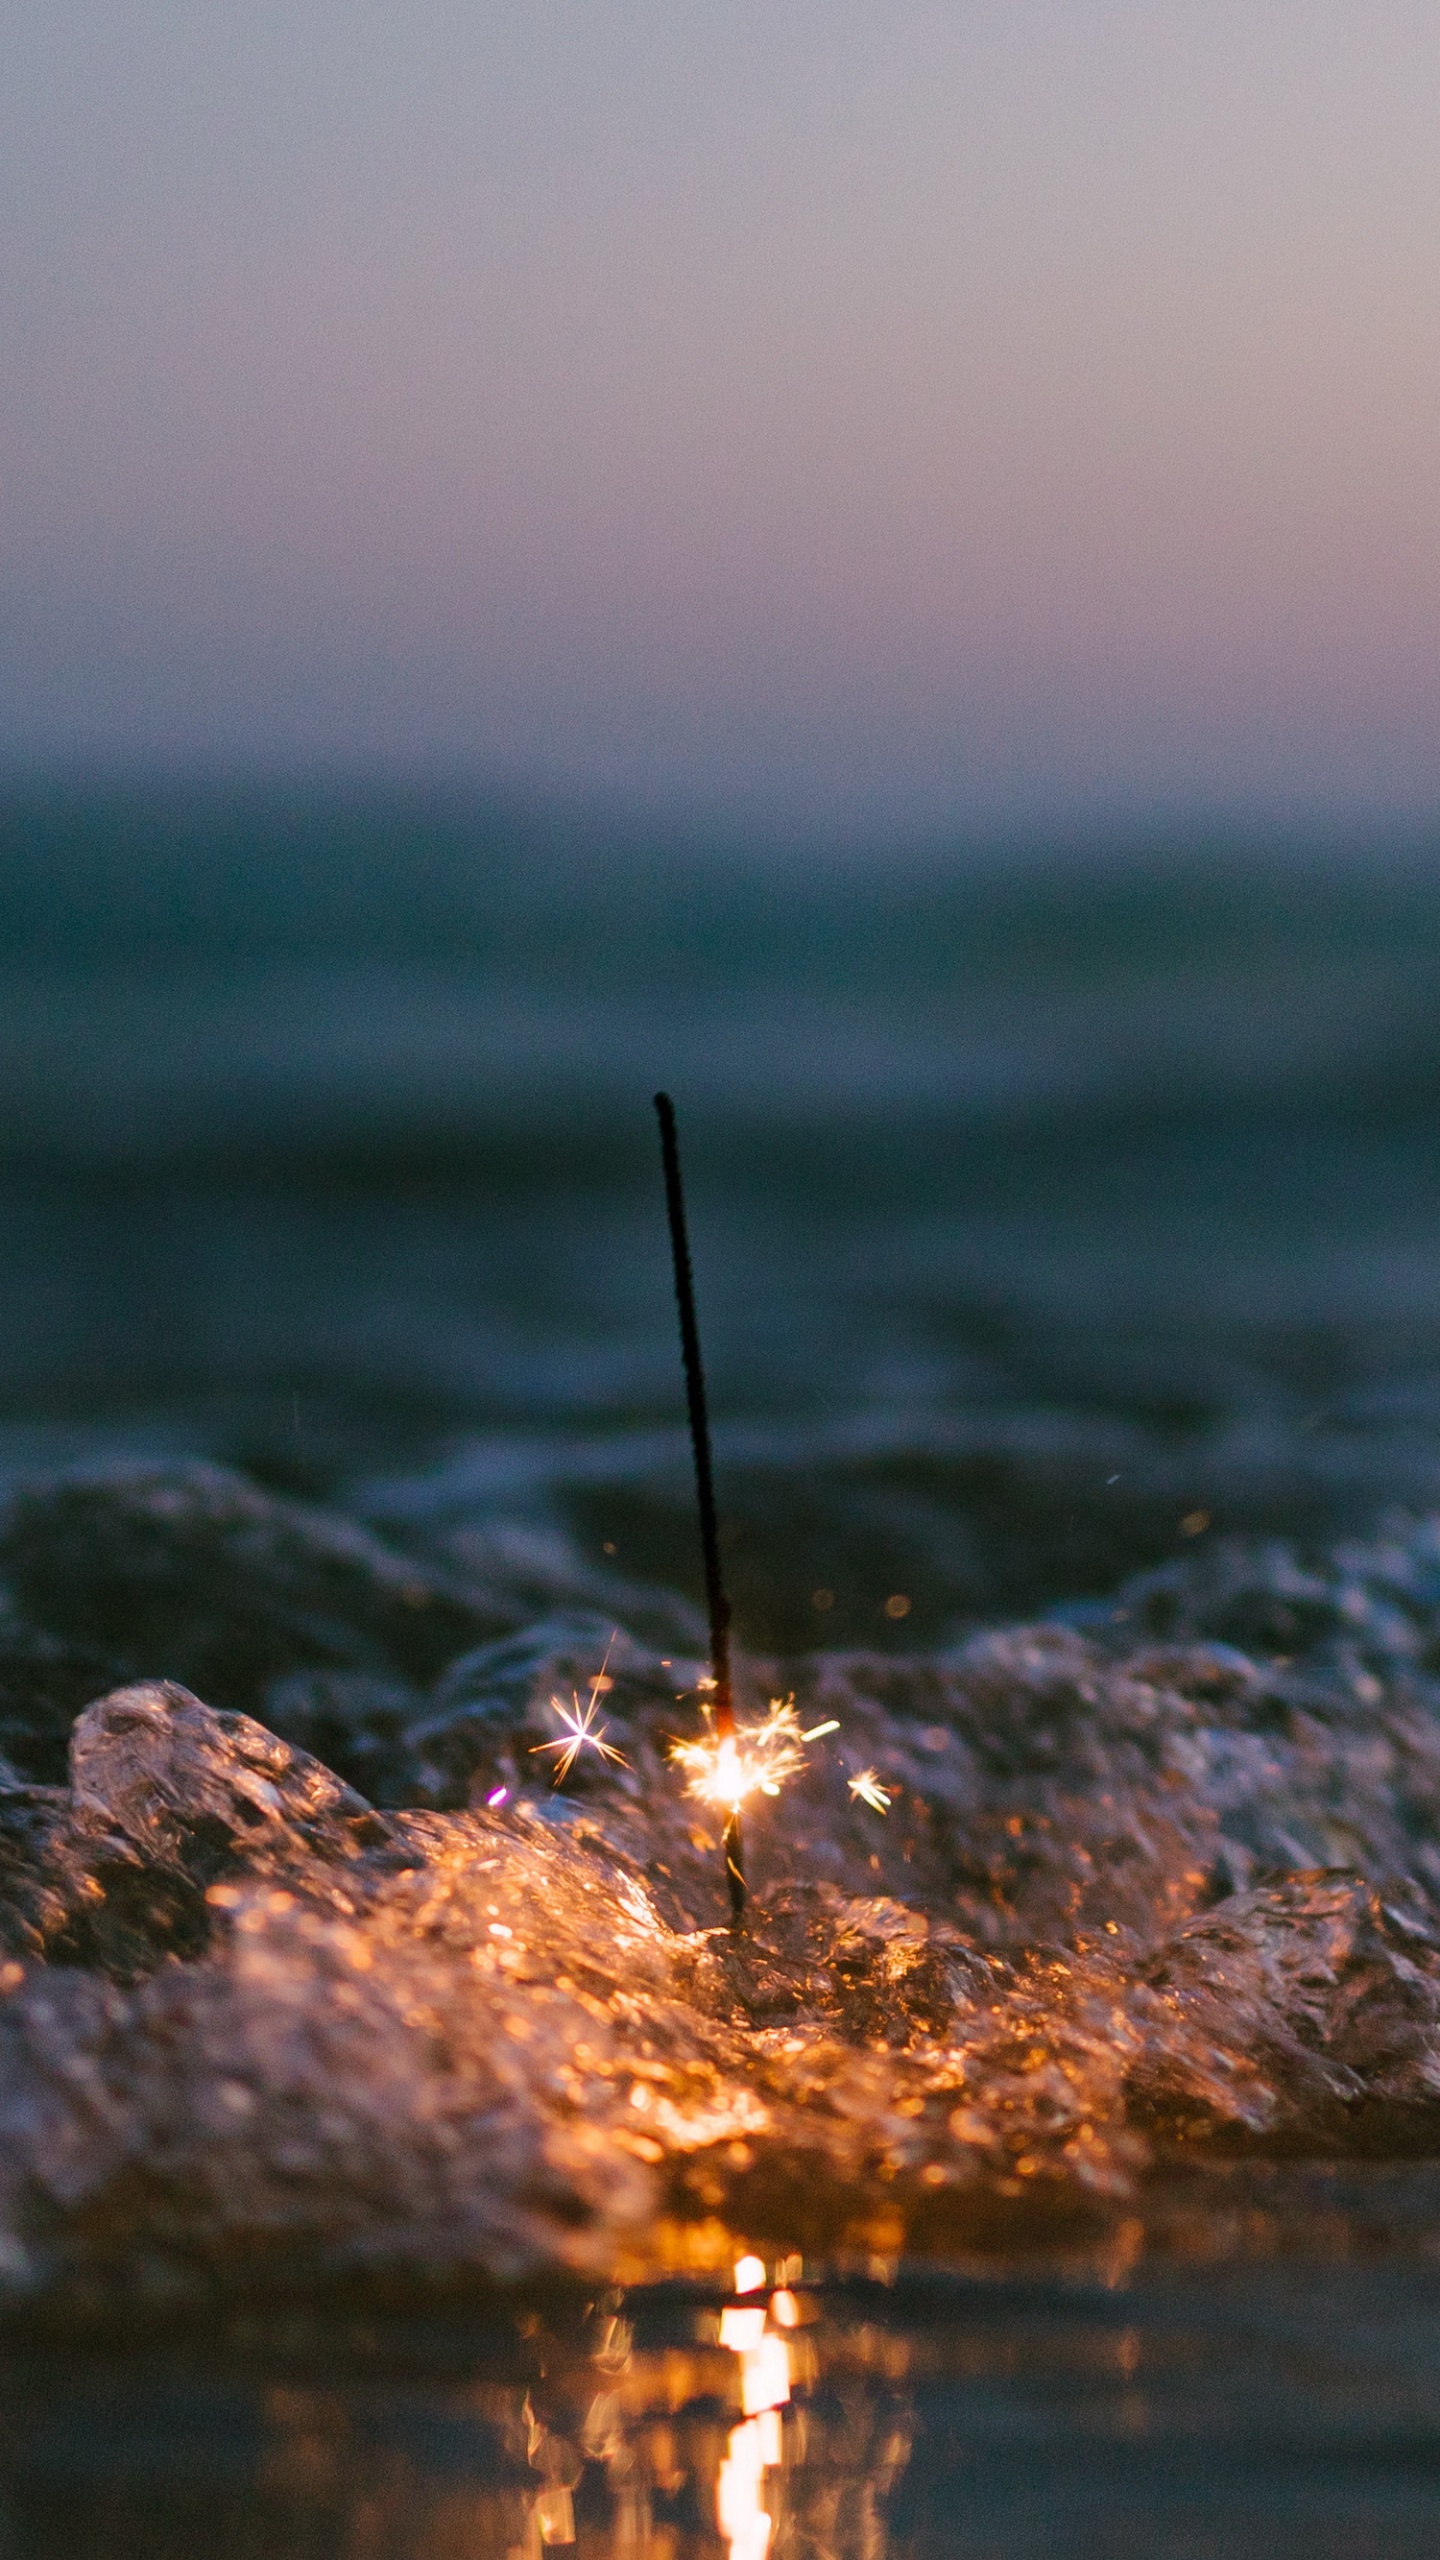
[722,1700]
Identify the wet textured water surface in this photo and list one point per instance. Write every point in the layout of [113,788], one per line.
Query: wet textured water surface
[1278,2407]
[401,2154]
[1038,1919]
[386,2106]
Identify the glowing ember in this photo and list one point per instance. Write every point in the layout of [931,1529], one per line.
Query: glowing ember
[866,1788]
[581,1731]
[756,1759]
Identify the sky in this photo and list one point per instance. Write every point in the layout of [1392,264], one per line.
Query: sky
[984,414]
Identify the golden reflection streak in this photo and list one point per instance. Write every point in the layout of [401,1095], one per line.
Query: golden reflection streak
[775,2478]
[757,2445]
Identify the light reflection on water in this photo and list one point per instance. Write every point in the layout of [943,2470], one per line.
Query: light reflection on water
[723,2438]
[1235,2412]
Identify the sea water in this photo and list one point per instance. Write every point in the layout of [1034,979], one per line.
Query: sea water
[1065,1224]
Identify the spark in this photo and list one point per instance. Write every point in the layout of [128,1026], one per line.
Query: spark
[866,1788]
[581,1730]
[754,1759]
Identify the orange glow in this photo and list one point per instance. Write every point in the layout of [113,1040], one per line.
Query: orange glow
[742,2518]
[756,1759]
[765,2375]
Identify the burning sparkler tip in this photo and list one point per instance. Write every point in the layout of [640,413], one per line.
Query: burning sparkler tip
[755,1759]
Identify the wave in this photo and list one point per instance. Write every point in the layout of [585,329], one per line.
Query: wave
[348,1992]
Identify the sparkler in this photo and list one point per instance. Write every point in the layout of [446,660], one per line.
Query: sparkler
[721,1700]
[730,1761]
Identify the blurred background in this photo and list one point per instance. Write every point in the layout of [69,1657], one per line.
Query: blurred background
[879,570]
[1052,1209]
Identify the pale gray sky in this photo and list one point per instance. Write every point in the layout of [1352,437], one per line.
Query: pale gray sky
[903,413]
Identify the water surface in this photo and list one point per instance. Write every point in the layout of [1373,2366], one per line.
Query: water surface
[1066,1227]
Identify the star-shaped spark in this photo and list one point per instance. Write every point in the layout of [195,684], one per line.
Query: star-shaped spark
[866,1788]
[581,1732]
